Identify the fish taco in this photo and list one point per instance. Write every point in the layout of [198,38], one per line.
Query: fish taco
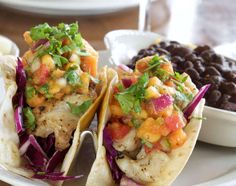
[47,97]
[148,125]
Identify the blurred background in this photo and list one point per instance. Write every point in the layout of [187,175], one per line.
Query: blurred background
[196,21]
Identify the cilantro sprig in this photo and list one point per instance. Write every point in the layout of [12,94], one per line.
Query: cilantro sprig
[56,35]
[130,98]
[80,109]
[30,120]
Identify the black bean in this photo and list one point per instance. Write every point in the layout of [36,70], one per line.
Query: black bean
[188,64]
[214,96]
[162,51]
[154,46]
[230,76]
[177,59]
[211,71]
[207,55]
[180,51]
[217,59]
[198,50]
[142,52]
[190,57]
[228,87]
[163,44]
[193,73]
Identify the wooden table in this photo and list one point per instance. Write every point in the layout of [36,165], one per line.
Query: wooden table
[213,22]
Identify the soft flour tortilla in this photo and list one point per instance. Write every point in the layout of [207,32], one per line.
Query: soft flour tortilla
[100,174]
[9,141]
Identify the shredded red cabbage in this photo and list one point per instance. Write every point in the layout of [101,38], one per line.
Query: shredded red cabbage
[18,99]
[111,155]
[40,152]
[56,158]
[162,102]
[191,106]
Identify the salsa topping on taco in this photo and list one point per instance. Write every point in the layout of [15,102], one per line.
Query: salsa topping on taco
[147,118]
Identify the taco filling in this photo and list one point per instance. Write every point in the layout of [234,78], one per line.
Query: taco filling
[147,120]
[57,83]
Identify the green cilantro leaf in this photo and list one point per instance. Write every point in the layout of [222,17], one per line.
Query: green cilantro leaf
[80,109]
[136,122]
[29,118]
[30,92]
[130,98]
[147,143]
[72,77]
[45,90]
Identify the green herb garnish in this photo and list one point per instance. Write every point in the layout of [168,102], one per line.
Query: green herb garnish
[80,109]
[198,118]
[136,122]
[29,118]
[56,35]
[147,143]
[130,98]
[72,77]
[45,90]
[30,92]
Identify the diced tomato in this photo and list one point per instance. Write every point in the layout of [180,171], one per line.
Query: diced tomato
[41,75]
[177,138]
[141,66]
[118,130]
[174,122]
[116,90]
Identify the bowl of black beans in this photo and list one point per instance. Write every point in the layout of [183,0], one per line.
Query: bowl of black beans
[204,66]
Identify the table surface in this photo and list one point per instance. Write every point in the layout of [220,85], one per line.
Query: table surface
[202,22]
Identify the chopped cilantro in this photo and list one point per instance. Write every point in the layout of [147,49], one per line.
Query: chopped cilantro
[80,109]
[147,143]
[30,92]
[131,97]
[180,77]
[45,90]
[29,118]
[56,35]
[136,122]
[198,118]
[72,77]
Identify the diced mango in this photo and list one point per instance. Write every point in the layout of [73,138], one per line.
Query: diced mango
[48,61]
[149,130]
[116,111]
[151,92]
[177,138]
[154,81]
[35,101]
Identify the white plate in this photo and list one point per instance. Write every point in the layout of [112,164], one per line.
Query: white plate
[70,7]
[220,126]
[206,163]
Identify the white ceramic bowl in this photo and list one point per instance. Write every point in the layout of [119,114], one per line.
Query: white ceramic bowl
[219,127]
[8,47]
